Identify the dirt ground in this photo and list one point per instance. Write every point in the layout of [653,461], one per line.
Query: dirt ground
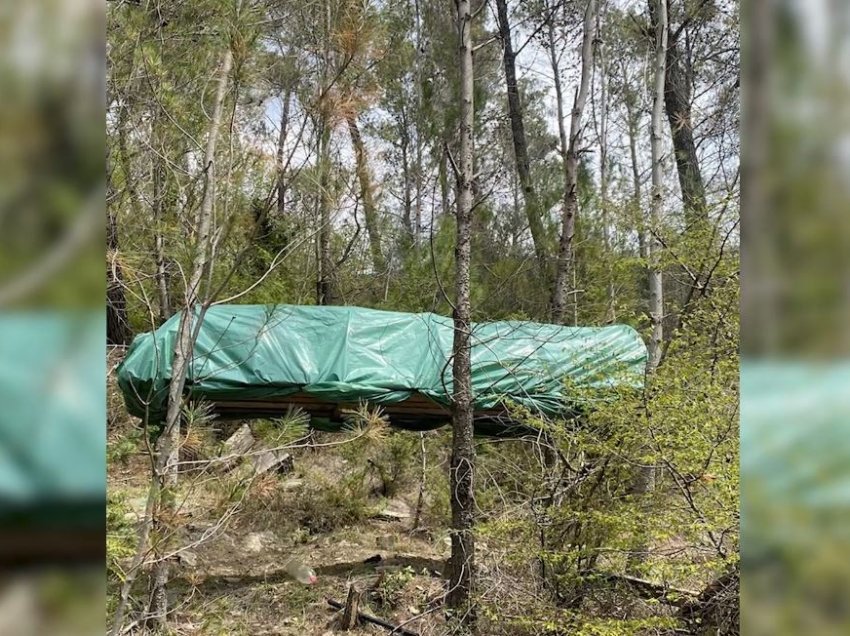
[233,581]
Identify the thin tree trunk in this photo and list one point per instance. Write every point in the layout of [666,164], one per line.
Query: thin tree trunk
[117,330]
[417,229]
[168,444]
[610,309]
[637,196]
[407,217]
[161,275]
[423,475]
[117,327]
[281,153]
[325,294]
[532,202]
[564,263]
[160,191]
[645,481]
[760,313]
[462,563]
[656,290]
[324,282]
[367,196]
[444,182]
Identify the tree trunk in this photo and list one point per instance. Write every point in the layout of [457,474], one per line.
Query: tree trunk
[168,444]
[656,290]
[610,308]
[570,152]
[407,217]
[761,315]
[117,327]
[645,480]
[532,201]
[637,196]
[462,562]
[444,182]
[677,102]
[417,222]
[367,196]
[324,291]
[281,153]
[165,310]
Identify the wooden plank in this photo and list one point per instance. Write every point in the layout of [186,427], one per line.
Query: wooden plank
[236,446]
[272,459]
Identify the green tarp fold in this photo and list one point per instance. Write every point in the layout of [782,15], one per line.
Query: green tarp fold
[52,433]
[351,354]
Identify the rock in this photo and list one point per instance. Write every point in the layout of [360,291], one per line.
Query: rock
[188,558]
[256,541]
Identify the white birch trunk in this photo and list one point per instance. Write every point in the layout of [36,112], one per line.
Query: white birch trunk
[570,150]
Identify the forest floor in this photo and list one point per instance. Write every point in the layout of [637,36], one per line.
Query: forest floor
[234,582]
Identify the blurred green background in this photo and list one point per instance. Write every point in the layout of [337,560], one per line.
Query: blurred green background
[795,377]
[52,286]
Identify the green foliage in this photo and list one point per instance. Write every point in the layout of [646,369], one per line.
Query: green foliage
[125,446]
[395,462]
[391,588]
[120,537]
[325,505]
[285,431]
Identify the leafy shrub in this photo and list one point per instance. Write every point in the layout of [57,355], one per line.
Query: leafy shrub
[325,505]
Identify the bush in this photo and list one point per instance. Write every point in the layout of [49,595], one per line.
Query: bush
[395,461]
[325,505]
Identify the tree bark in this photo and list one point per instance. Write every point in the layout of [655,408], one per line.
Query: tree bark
[637,195]
[417,222]
[324,282]
[324,291]
[367,196]
[351,612]
[281,152]
[645,479]
[569,151]
[462,561]
[761,315]
[117,327]
[656,290]
[165,310]
[444,182]
[168,444]
[530,198]
[677,103]
[407,213]
[610,309]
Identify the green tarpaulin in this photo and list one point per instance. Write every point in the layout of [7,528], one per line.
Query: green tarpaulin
[350,354]
[52,433]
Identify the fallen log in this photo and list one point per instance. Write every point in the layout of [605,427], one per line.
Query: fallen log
[394,629]
[677,597]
